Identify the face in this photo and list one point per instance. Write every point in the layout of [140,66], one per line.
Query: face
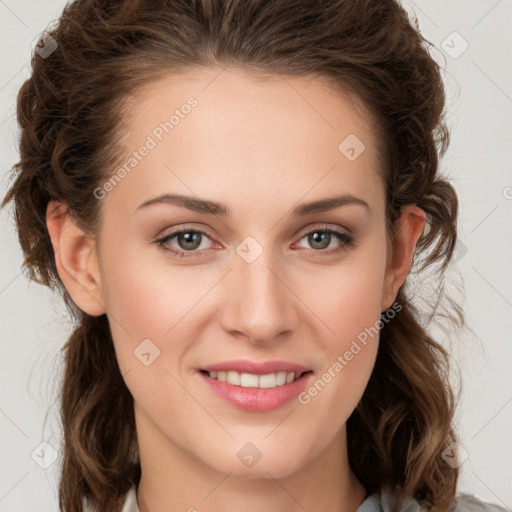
[257,276]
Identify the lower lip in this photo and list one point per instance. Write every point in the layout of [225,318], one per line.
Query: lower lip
[257,399]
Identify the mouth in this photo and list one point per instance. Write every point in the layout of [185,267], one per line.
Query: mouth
[250,380]
[257,392]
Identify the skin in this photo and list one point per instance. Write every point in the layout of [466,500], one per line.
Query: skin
[259,146]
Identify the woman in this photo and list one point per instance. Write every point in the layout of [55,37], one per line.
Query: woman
[230,196]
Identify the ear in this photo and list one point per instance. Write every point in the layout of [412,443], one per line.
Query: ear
[408,229]
[75,258]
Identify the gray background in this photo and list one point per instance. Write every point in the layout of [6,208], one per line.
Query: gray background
[34,324]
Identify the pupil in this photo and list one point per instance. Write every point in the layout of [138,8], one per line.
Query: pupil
[320,237]
[191,240]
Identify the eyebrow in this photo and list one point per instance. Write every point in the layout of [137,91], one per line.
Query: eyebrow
[204,206]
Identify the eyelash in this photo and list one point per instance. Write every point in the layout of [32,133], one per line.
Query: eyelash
[347,242]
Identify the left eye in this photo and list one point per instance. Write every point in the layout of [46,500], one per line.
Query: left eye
[320,239]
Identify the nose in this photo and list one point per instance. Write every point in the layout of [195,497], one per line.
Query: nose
[259,303]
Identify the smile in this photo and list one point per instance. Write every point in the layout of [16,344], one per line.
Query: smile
[256,393]
[249,380]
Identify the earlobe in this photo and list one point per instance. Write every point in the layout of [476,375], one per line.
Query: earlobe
[76,259]
[409,228]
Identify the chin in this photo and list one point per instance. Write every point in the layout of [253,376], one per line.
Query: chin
[260,471]
[266,463]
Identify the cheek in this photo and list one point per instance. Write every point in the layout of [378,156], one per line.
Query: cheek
[148,298]
[349,304]
[147,310]
[349,298]
[133,296]
[353,318]
[156,302]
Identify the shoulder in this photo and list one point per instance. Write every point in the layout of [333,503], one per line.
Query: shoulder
[388,500]
[470,503]
[129,503]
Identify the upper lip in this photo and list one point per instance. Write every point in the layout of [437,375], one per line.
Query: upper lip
[257,368]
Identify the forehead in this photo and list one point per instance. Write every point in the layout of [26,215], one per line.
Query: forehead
[230,94]
[218,130]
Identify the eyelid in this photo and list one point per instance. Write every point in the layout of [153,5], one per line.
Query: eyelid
[299,233]
[322,226]
[344,237]
[183,227]
[163,239]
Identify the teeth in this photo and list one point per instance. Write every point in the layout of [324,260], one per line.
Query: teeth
[232,378]
[246,380]
[249,380]
[281,378]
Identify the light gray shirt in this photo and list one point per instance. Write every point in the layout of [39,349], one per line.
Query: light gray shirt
[379,502]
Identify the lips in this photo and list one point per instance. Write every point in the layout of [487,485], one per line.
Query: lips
[257,368]
[256,399]
[256,386]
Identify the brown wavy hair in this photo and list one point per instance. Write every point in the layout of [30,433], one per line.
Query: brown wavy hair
[69,113]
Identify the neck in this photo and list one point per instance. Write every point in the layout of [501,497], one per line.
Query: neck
[173,479]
